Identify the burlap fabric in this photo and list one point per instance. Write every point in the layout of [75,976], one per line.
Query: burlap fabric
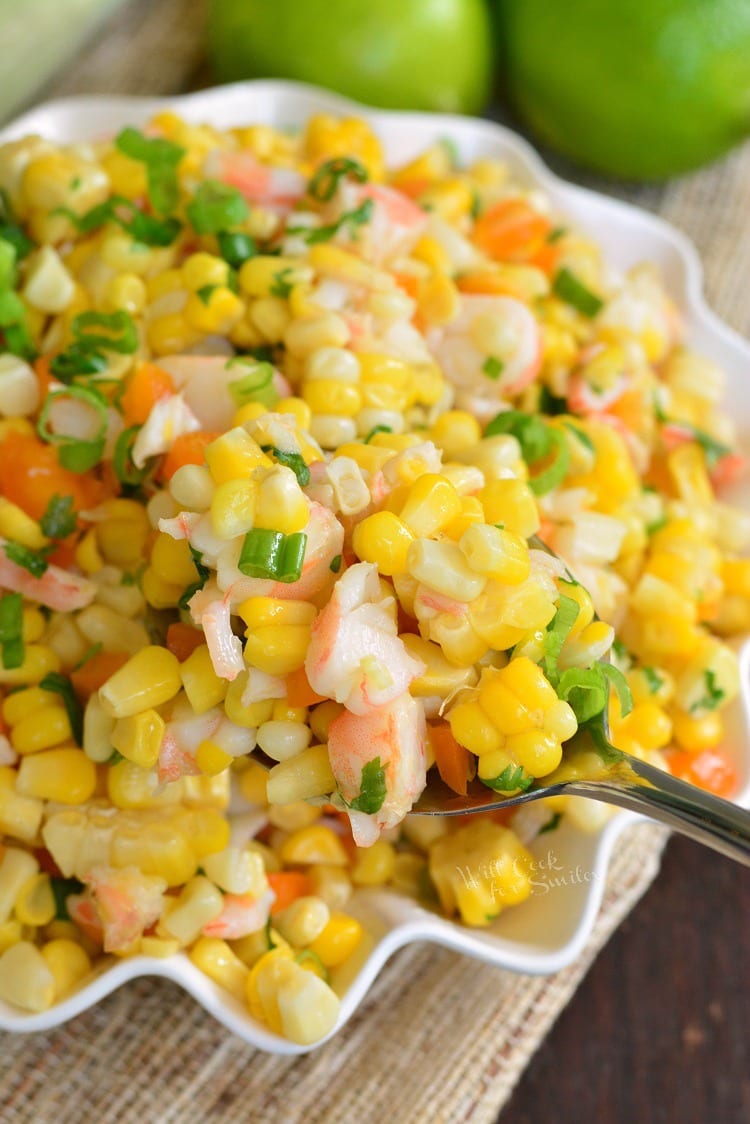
[439,1038]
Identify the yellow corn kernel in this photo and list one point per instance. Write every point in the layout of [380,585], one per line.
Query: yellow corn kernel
[23,704]
[202,685]
[471,513]
[216,959]
[322,716]
[201,269]
[171,560]
[303,921]
[306,335]
[374,865]
[438,299]
[20,817]
[234,455]
[168,281]
[211,759]
[329,396]
[432,502]
[442,566]
[473,728]
[440,677]
[38,661]
[735,573]
[97,731]
[454,431]
[247,716]
[261,612]
[496,553]
[157,849]
[233,508]
[264,276]
[511,502]
[313,844]
[127,176]
[368,457]
[383,538]
[697,734]
[339,939]
[25,979]
[35,903]
[282,712]
[17,525]
[65,775]
[301,777]
[281,504]
[160,947]
[49,726]
[68,962]
[138,737]
[207,828]
[198,904]
[298,409]
[252,783]
[261,987]
[87,553]
[251,411]
[215,311]
[11,932]
[149,678]
[277,649]
[479,870]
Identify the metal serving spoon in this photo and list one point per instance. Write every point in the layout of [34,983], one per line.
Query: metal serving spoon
[602,772]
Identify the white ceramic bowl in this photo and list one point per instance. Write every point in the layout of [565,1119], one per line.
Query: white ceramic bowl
[548,931]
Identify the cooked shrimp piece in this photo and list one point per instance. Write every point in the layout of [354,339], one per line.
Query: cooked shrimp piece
[395,225]
[279,188]
[242,914]
[183,734]
[126,901]
[204,382]
[56,588]
[355,655]
[224,648]
[394,736]
[492,349]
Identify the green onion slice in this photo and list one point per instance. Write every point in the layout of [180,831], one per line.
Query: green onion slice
[161,158]
[254,386]
[215,207]
[556,472]
[236,248]
[59,519]
[324,183]
[122,459]
[12,648]
[558,632]
[585,690]
[34,561]
[145,229]
[271,554]
[75,453]
[569,289]
[61,685]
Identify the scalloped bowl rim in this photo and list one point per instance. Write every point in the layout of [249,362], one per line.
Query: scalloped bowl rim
[400,921]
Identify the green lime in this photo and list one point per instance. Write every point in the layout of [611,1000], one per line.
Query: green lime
[416,54]
[638,88]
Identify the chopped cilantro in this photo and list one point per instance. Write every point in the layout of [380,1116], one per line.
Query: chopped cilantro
[281,286]
[652,677]
[335,564]
[511,779]
[714,695]
[493,367]
[295,461]
[32,560]
[573,291]
[552,824]
[59,519]
[372,789]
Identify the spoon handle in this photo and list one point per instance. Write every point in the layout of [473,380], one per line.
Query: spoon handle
[708,819]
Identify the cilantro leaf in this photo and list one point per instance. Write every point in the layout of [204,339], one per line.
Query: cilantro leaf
[59,519]
[511,779]
[714,695]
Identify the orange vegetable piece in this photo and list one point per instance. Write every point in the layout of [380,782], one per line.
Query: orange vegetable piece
[288,885]
[710,769]
[452,759]
[45,378]
[30,475]
[511,230]
[147,385]
[299,692]
[183,639]
[96,671]
[187,449]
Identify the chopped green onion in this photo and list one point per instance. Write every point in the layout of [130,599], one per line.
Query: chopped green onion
[585,690]
[145,229]
[550,404]
[271,554]
[121,334]
[569,289]
[7,264]
[532,433]
[62,888]
[621,686]
[556,472]
[603,746]
[59,519]
[552,824]
[335,565]
[215,207]
[281,287]
[122,459]
[295,461]
[652,677]
[307,956]
[61,685]
[493,367]
[558,632]
[714,695]
[324,183]
[32,560]
[377,429]
[75,453]
[256,385]
[372,789]
[205,292]
[358,217]
[161,158]
[510,780]
[556,234]
[236,248]
[12,648]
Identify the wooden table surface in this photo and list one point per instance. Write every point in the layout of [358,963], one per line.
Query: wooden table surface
[659,1030]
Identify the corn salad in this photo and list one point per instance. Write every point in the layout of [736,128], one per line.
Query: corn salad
[277,424]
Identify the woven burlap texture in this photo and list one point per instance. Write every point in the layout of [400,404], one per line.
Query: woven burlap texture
[439,1038]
